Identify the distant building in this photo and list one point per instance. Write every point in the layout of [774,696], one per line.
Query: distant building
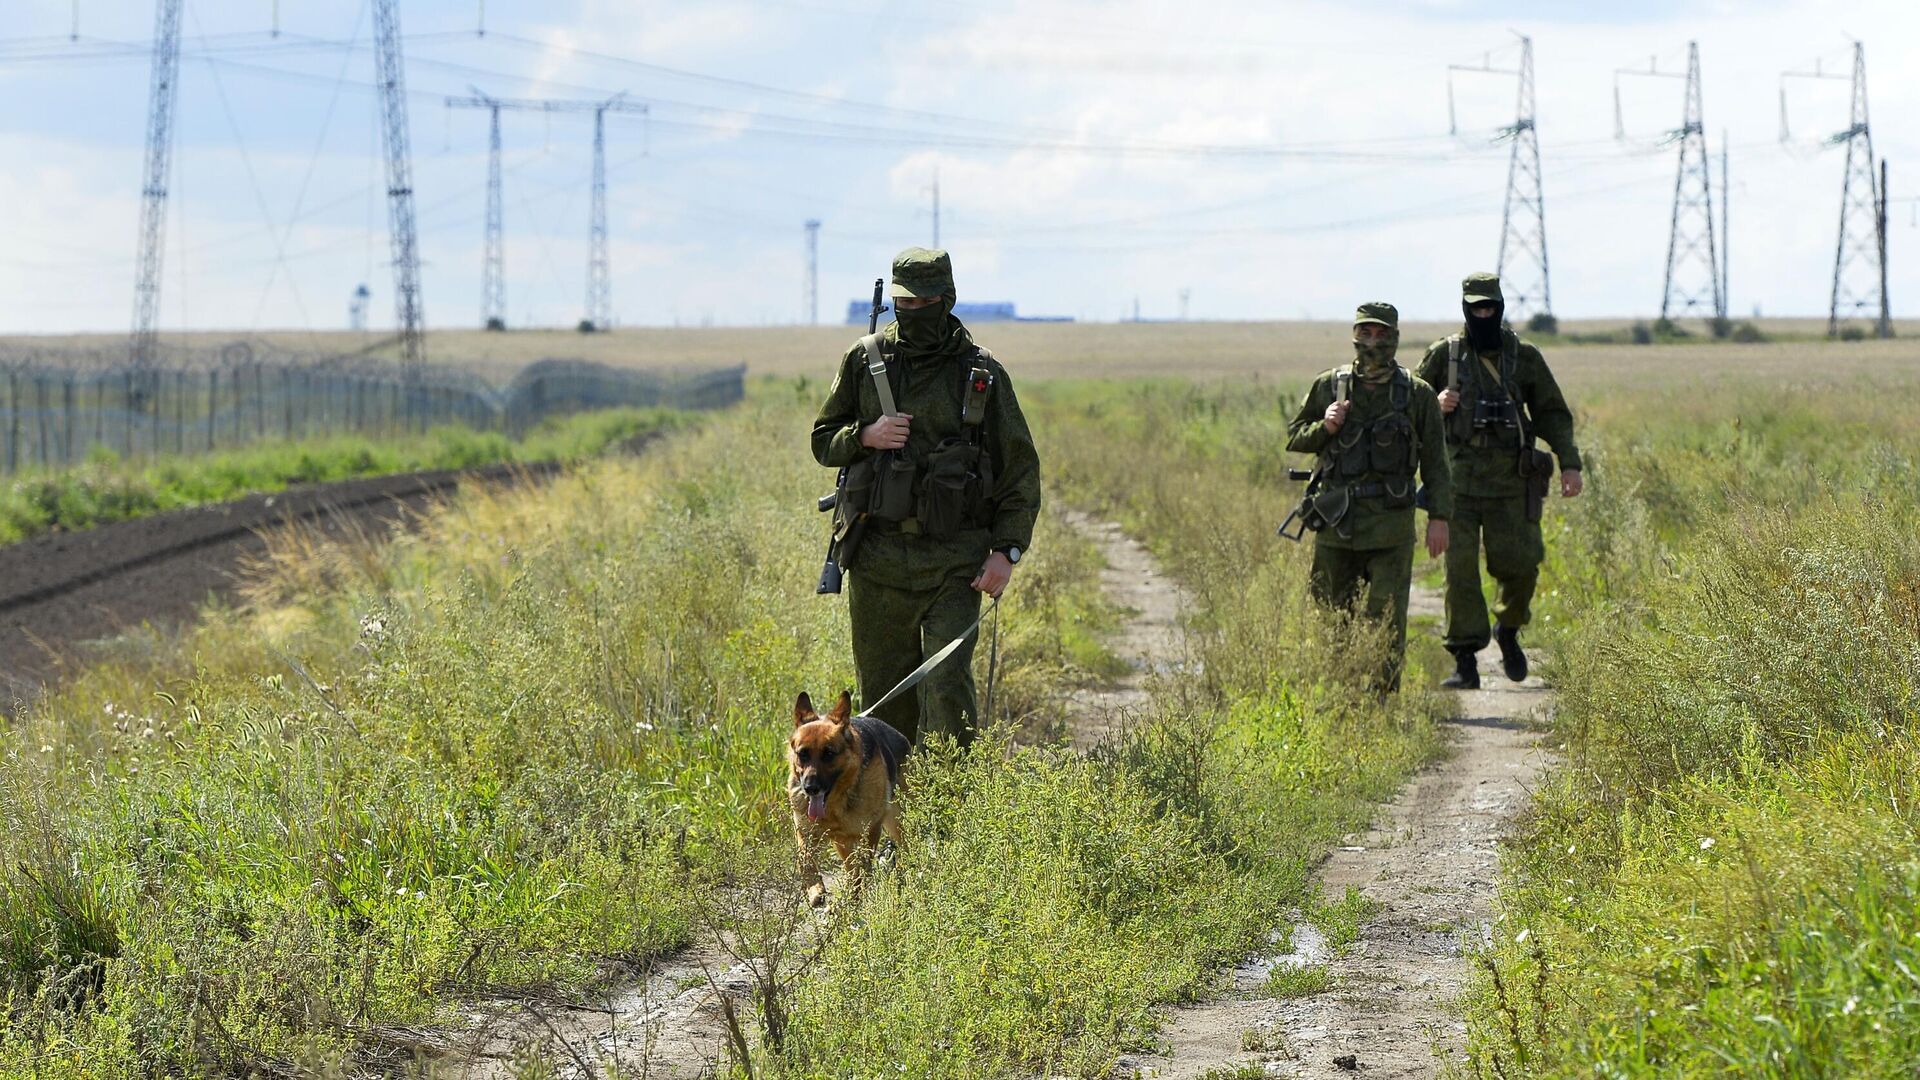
[992,311]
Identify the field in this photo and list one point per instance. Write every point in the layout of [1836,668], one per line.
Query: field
[537,745]
[1285,351]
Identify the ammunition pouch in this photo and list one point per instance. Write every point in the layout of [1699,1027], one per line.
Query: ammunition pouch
[947,489]
[893,474]
[1536,468]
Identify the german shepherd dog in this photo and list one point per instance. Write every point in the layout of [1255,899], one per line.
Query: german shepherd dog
[844,770]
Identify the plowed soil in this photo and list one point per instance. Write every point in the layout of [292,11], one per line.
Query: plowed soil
[64,594]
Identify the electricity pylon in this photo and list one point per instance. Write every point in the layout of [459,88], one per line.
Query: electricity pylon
[1859,257]
[812,287]
[391,76]
[1694,271]
[153,192]
[1523,218]
[599,305]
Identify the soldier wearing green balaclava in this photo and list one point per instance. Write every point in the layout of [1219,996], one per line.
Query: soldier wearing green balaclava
[958,454]
[1498,396]
[1376,430]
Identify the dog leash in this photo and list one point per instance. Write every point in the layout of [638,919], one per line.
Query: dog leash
[913,678]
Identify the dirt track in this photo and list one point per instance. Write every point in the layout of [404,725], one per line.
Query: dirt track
[62,592]
[1430,864]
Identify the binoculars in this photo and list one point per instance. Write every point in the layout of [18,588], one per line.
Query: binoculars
[1495,412]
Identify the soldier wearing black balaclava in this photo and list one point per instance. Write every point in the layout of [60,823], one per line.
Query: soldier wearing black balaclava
[957,453]
[1376,431]
[1499,397]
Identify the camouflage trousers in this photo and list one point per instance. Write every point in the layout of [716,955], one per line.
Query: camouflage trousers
[893,631]
[1514,550]
[1376,582]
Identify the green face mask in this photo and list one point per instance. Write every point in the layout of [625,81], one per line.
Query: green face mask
[1373,360]
[923,330]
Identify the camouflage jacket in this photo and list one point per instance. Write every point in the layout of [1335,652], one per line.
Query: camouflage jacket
[931,389]
[1489,468]
[1371,523]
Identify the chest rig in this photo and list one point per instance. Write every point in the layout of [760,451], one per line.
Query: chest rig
[1489,412]
[1377,459]
[946,489]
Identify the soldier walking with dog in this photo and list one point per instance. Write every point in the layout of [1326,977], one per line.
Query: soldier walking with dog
[939,490]
[1498,397]
[1377,432]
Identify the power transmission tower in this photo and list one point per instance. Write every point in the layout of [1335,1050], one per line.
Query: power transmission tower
[391,76]
[153,193]
[1859,258]
[1523,219]
[936,208]
[812,297]
[599,308]
[599,315]
[493,281]
[1694,273]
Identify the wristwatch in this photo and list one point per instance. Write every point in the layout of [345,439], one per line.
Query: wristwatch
[1011,552]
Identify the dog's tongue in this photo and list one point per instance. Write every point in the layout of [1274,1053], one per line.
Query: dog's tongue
[816,806]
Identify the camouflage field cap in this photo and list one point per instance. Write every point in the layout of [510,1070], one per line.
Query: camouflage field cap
[922,273]
[1480,288]
[1377,311]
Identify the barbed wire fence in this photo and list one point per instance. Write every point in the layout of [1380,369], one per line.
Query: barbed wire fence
[58,404]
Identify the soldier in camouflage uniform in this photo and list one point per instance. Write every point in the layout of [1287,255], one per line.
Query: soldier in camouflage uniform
[1377,431]
[958,486]
[1498,396]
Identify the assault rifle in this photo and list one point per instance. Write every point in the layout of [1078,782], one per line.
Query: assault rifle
[849,523]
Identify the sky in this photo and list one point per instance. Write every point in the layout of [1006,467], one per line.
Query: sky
[1277,160]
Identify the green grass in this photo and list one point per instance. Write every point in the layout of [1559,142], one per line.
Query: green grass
[1294,981]
[1723,880]
[541,740]
[107,489]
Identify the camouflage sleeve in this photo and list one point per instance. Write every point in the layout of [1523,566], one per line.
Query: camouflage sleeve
[1433,366]
[1547,407]
[1430,427]
[1308,432]
[1016,467]
[836,431]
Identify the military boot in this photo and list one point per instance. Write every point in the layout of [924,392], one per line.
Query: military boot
[1513,660]
[1466,671]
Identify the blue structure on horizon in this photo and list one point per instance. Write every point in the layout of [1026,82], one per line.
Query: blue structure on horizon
[990,311]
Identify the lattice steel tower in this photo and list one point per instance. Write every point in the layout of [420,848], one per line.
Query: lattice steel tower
[599,315]
[1523,218]
[391,76]
[493,277]
[1859,257]
[153,191]
[1692,253]
[811,298]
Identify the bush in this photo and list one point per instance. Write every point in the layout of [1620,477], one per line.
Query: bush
[1747,333]
[1543,322]
[1642,333]
[1853,333]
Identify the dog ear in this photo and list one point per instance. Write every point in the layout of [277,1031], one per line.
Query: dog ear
[803,709]
[842,709]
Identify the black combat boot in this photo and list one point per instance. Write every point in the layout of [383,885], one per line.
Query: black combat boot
[1512,659]
[1466,671]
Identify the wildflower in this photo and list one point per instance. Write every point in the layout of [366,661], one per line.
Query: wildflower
[1706,843]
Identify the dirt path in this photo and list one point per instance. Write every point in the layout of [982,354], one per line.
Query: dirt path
[1429,864]
[1150,641]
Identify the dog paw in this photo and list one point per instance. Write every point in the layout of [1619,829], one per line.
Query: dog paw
[817,896]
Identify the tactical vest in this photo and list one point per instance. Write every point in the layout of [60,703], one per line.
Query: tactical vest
[1489,413]
[1381,457]
[949,489]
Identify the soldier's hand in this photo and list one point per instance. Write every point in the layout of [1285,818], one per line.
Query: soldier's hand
[1449,400]
[994,576]
[1337,415]
[1570,483]
[886,433]
[1437,536]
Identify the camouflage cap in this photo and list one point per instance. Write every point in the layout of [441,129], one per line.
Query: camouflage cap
[922,273]
[1480,288]
[1377,311]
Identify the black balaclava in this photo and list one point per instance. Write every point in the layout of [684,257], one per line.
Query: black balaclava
[1484,334]
[925,330]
